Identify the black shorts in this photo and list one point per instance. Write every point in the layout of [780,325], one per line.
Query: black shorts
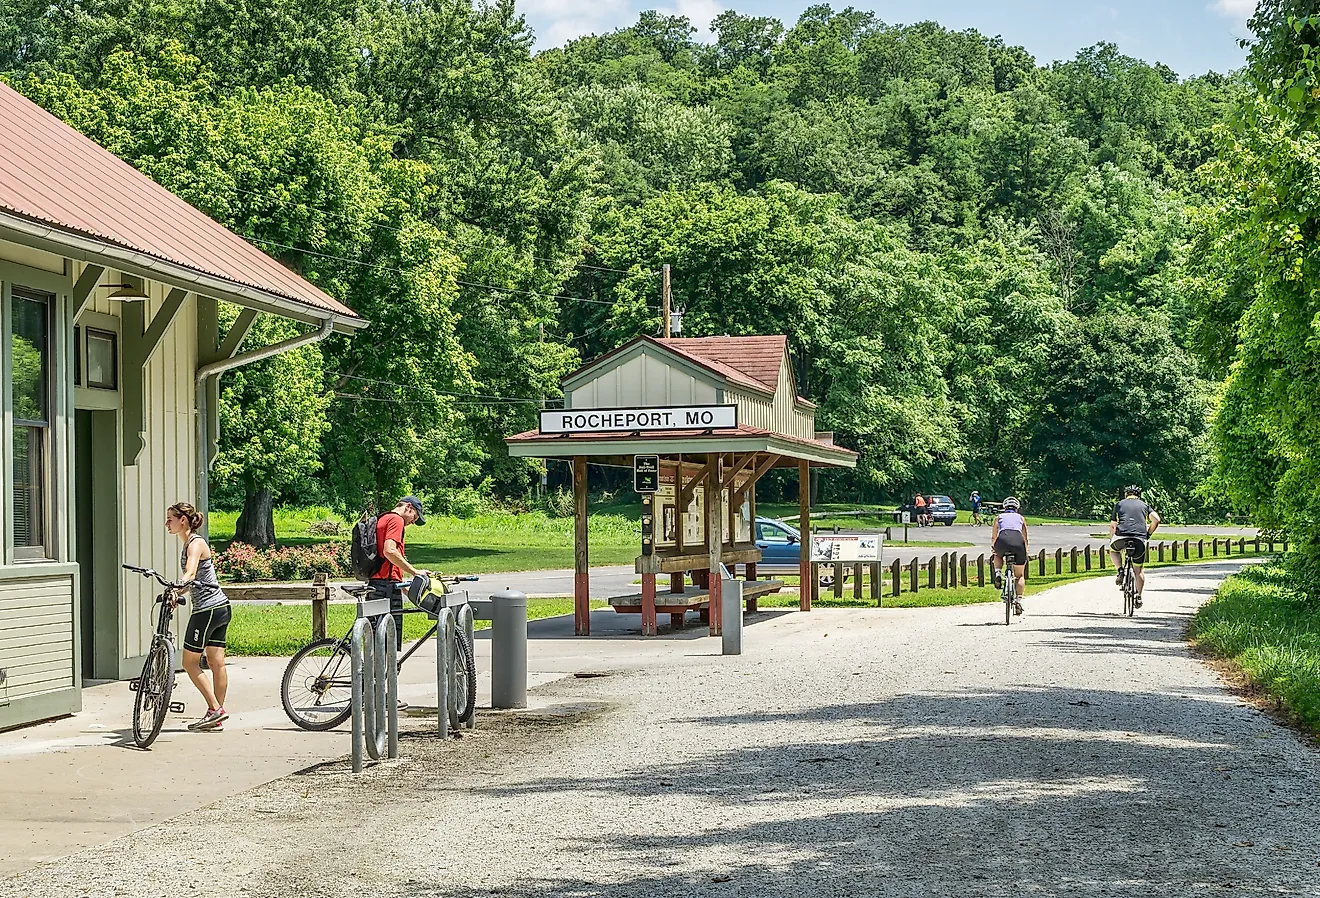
[207,628]
[1011,547]
[1137,544]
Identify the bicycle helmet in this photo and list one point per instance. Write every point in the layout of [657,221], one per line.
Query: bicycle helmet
[1011,504]
[1132,490]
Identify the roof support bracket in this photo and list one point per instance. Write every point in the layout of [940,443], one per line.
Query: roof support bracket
[82,290]
[761,469]
[140,343]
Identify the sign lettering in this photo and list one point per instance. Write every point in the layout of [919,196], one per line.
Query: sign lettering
[631,420]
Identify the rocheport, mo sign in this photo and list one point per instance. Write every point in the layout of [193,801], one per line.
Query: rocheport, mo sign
[633,420]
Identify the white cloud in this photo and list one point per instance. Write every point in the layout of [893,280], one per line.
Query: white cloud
[1237,10]
[568,19]
[699,12]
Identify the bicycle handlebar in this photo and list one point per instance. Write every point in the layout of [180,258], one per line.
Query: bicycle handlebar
[149,573]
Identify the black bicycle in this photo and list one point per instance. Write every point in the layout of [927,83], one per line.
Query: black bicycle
[317,689]
[155,684]
[1127,578]
[1008,590]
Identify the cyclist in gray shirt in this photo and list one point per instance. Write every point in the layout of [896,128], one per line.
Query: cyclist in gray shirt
[208,625]
[1131,526]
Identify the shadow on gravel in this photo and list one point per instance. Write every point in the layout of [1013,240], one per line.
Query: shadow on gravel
[975,793]
[950,794]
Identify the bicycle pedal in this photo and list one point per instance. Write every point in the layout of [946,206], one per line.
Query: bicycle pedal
[176,707]
[133,685]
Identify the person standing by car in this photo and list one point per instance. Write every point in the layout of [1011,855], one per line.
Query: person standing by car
[1008,542]
[393,565]
[919,503]
[975,500]
[1132,524]
[208,625]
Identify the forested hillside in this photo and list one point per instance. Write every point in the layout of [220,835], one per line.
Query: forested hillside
[994,272]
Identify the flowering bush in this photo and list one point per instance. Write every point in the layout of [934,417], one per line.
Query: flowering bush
[244,563]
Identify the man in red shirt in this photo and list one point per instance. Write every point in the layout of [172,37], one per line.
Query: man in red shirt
[393,564]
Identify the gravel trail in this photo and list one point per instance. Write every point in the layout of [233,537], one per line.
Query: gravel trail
[911,752]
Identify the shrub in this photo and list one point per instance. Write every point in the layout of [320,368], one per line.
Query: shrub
[245,564]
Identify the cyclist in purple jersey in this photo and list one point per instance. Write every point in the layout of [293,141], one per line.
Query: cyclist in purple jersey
[1008,540]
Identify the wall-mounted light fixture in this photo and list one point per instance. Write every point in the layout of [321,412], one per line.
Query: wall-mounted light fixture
[130,289]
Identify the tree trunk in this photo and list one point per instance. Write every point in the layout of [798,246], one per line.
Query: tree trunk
[256,525]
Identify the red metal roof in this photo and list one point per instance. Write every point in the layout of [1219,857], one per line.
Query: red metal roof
[52,174]
[751,361]
[742,430]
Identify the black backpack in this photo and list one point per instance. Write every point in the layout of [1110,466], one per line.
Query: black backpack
[363,550]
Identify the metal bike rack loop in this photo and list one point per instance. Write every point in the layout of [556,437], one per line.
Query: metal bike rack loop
[375,701]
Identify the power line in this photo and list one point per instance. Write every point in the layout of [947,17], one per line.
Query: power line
[473,284]
[385,227]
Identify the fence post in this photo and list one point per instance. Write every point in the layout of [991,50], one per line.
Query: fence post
[1214,546]
[980,570]
[1228,546]
[1088,556]
[930,574]
[1242,544]
[896,572]
[1256,549]
[838,579]
[1103,553]
[1072,560]
[857,581]
[1173,547]
[320,603]
[1042,562]
[1200,548]
[962,568]
[944,570]
[1187,550]
[912,577]
[1058,561]
[1159,548]
[877,581]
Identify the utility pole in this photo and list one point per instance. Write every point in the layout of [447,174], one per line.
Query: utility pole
[664,274]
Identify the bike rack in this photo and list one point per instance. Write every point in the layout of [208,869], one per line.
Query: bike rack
[375,700]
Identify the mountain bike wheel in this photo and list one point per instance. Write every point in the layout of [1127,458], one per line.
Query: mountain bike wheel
[464,704]
[317,689]
[1129,593]
[1008,597]
[152,702]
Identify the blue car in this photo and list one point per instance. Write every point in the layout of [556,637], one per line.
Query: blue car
[780,544]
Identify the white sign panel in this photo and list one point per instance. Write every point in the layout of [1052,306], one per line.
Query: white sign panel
[630,420]
[846,547]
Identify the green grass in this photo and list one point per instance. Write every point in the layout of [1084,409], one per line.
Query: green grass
[283,629]
[1270,630]
[486,543]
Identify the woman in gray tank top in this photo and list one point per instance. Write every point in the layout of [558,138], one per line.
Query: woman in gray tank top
[208,624]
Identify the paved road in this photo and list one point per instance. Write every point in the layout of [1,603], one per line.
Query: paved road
[619,580]
[909,752]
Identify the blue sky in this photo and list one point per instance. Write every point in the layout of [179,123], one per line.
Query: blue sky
[1190,36]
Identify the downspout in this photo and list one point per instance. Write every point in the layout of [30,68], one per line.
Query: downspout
[215,369]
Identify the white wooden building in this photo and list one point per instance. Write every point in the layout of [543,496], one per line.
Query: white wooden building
[110,357]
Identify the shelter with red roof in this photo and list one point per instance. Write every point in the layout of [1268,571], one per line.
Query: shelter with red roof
[718,413]
[111,351]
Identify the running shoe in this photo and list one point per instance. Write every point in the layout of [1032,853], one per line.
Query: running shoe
[210,720]
[1118,579]
[1017,608]
[1136,603]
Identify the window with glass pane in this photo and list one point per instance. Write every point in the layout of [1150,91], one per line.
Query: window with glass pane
[102,361]
[29,350]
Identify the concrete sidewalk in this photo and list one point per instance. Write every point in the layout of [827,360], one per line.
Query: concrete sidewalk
[80,781]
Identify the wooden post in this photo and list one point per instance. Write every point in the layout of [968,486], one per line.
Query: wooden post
[980,570]
[1072,560]
[1042,562]
[877,582]
[1103,552]
[320,603]
[680,510]
[1187,549]
[912,576]
[1088,556]
[1242,544]
[962,568]
[895,573]
[857,581]
[649,625]
[1214,546]
[1228,545]
[581,577]
[1173,547]
[838,579]
[930,574]
[715,539]
[1200,548]
[806,585]
[1058,560]
[944,570]
[813,588]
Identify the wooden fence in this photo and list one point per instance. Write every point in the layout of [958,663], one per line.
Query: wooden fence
[951,570]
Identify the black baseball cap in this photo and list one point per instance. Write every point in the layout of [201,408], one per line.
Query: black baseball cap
[416,506]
